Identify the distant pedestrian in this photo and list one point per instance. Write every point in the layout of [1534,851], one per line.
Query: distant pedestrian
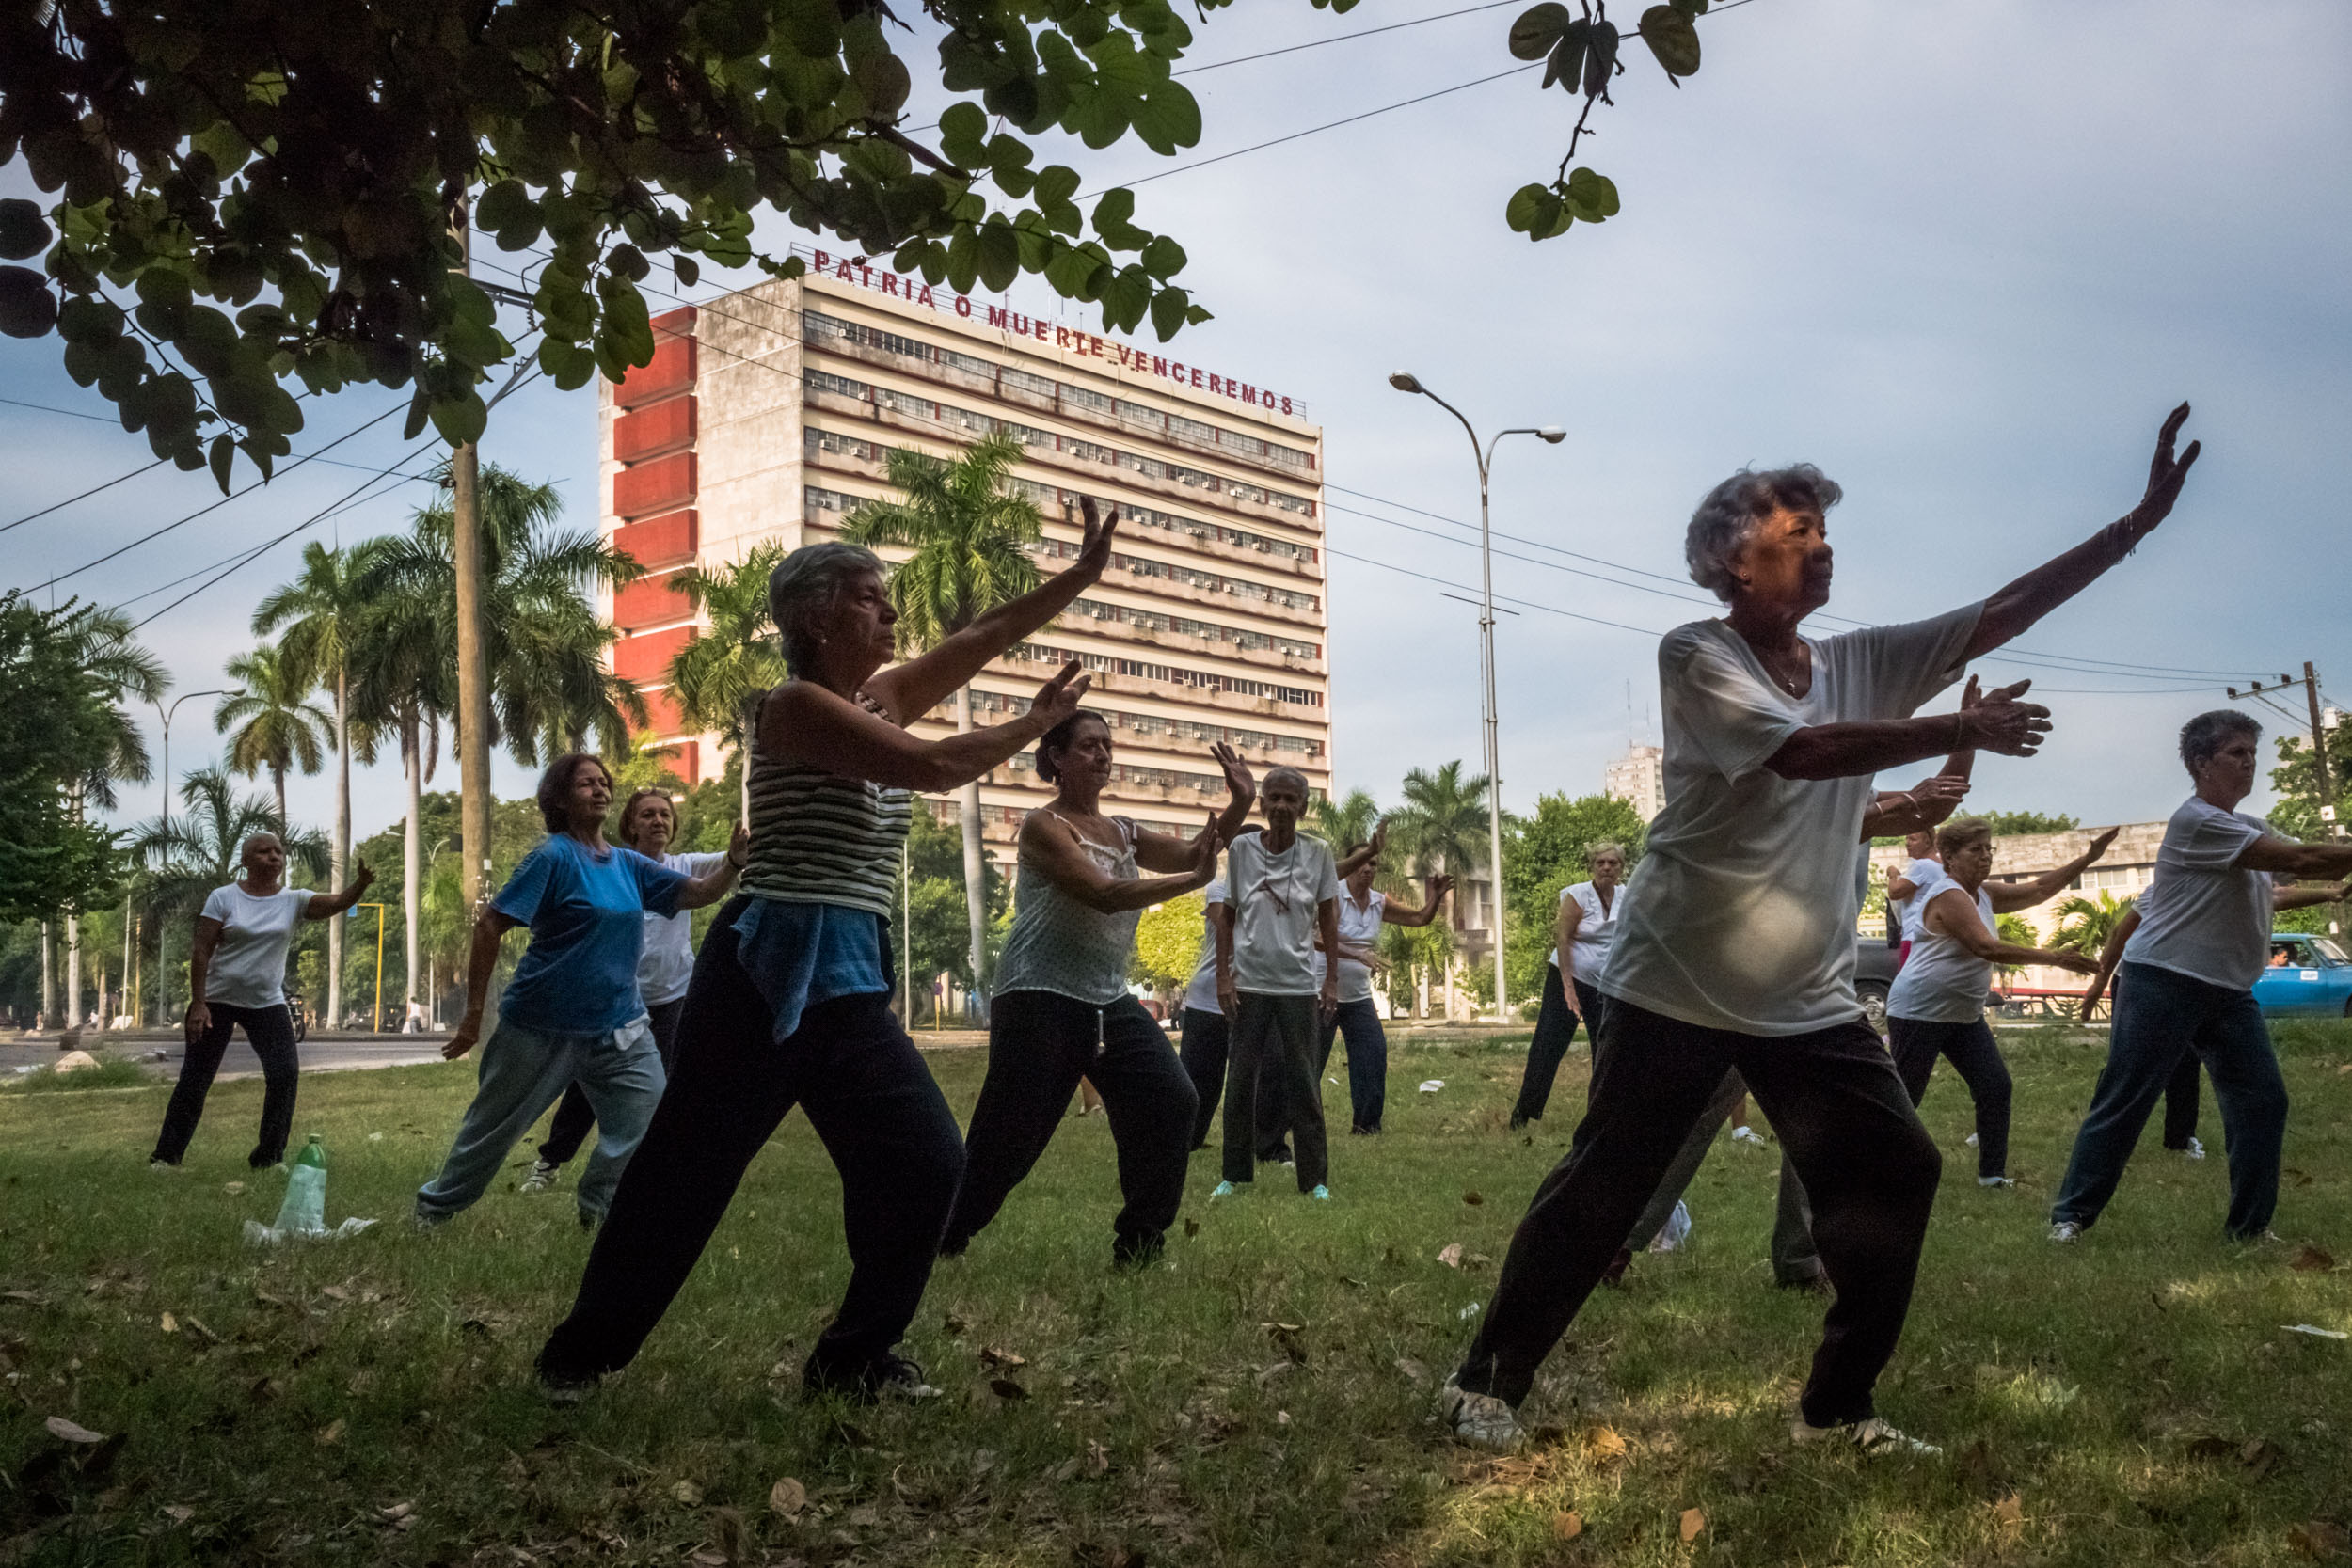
[1062,1016]
[2187,984]
[1582,930]
[237,980]
[572,1012]
[648,823]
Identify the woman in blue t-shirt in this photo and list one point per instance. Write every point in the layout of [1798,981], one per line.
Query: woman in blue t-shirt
[572,1011]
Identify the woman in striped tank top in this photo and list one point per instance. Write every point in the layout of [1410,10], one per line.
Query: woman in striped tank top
[790,1000]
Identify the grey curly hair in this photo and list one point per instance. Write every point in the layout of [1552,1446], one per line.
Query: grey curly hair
[1723,520]
[2206,733]
[801,589]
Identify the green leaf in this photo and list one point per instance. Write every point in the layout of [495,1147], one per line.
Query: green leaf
[569,365]
[962,134]
[1167,311]
[1055,184]
[1672,39]
[24,232]
[1537,29]
[506,204]
[461,419]
[1690,7]
[884,82]
[223,456]
[687,270]
[1591,197]
[1567,64]
[27,309]
[1163,258]
[1167,117]
[1600,58]
[1532,211]
[1000,255]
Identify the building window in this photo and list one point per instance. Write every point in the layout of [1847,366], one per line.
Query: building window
[1036,386]
[1080,397]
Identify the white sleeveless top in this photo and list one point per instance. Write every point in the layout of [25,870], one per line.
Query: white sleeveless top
[1942,982]
[1058,943]
[1596,931]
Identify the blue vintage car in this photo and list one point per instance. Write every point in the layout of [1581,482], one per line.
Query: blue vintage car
[2310,977]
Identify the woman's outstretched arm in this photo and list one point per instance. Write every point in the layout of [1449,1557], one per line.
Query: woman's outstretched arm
[2011,611]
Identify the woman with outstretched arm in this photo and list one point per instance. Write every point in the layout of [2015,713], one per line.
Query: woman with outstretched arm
[2189,963]
[790,1000]
[1061,1007]
[1737,950]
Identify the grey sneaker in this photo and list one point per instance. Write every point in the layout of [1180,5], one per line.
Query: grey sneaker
[2065,1232]
[1481,1420]
[2192,1149]
[1995,1181]
[542,1178]
[1873,1437]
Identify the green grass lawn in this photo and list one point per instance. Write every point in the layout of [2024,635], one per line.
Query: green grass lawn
[1265,1398]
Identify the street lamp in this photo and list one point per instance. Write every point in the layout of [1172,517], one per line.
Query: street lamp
[1405,381]
[162,972]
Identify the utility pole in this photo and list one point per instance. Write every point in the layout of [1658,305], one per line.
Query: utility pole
[474,675]
[2323,780]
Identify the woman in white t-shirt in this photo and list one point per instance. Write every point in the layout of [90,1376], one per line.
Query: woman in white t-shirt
[1587,923]
[1362,913]
[1936,1006]
[664,967]
[1739,949]
[237,980]
[2187,984]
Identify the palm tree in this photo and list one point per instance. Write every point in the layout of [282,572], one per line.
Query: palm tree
[970,534]
[1344,822]
[715,679]
[323,614]
[202,850]
[405,680]
[543,642]
[117,672]
[2084,924]
[1442,823]
[278,726]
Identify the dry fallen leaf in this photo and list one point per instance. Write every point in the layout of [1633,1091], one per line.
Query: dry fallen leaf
[2009,1521]
[66,1431]
[332,1432]
[687,1493]
[334,1293]
[171,1325]
[953,1324]
[232,1188]
[1472,1200]
[1568,1525]
[2260,1456]
[1603,1443]
[709,1557]
[398,1511]
[1192,1228]
[1451,1255]
[995,1356]
[179,1513]
[1412,1368]
[1005,1389]
[1098,1457]
[787,1498]
[2311,1260]
[1693,1521]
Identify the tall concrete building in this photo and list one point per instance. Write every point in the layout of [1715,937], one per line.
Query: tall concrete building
[1638,777]
[765,415]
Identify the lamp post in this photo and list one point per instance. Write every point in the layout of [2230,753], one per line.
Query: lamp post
[1404,381]
[163,969]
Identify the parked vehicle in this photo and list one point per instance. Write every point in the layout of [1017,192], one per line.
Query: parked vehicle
[2310,977]
[1875,962]
[301,1016]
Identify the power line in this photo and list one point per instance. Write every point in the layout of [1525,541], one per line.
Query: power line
[1343,37]
[237,555]
[217,505]
[85,495]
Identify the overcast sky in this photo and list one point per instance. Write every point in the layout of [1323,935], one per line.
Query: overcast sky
[1964,258]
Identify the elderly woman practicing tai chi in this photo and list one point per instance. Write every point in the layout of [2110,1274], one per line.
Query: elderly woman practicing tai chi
[2190,958]
[1061,1004]
[790,1000]
[1585,926]
[1937,1005]
[1738,949]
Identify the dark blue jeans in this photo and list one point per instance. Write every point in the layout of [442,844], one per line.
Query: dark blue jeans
[1555,1029]
[1367,1060]
[2159,1014]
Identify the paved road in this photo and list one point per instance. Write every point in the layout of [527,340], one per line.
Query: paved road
[323,1052]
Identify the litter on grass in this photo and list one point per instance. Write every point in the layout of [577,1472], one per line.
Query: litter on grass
[2316,1330]
[258,1234]
[1431,1085]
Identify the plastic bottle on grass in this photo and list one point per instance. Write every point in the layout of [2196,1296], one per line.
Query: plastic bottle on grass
[304,1213]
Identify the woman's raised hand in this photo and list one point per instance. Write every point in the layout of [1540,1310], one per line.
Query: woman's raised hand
[1999,722]
[1094,549]
[1239,782]
[1933,793]
[1058,698]
[2166,475]
[1205,851]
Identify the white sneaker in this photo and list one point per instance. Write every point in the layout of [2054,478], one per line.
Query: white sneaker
[1745,1135]
[542,1178]
[1971,1140]
[2065,1231]
[2195,1150]
[1479,1419]
[1873,1437]
[1226,1189]
[1995,1181]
